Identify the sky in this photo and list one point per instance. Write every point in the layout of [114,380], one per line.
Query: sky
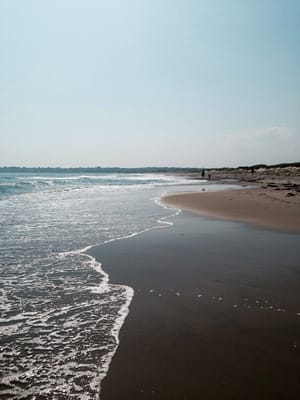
[136,83]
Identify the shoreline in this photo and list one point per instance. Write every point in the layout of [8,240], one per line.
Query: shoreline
[213,310]
[263,207]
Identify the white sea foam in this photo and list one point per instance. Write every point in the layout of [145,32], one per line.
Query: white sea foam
[60,316]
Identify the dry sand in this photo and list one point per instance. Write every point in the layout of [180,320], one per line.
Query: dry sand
[272,206]
[276,175]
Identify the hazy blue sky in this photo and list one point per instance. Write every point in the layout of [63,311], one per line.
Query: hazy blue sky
[149,82]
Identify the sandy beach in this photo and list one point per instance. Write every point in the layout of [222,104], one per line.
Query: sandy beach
[271,200]
[150,200]
[215,312]
[262,207]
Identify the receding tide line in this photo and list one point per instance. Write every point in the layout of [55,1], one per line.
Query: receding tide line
[97,266]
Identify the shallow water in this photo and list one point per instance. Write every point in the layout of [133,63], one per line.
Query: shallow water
[59,316]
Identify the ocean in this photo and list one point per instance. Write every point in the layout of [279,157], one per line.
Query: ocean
[59,316]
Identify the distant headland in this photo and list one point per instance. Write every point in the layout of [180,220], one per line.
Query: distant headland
[138,169]
[99,169]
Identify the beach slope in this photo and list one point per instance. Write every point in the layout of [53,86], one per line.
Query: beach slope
[266,208]
[215,313]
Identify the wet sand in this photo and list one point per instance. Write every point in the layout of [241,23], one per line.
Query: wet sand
[272,207]
[214,316]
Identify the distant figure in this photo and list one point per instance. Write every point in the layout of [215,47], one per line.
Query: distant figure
[203,173]
[252,170]
[209,176]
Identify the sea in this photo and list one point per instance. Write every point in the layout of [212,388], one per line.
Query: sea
[59,316]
